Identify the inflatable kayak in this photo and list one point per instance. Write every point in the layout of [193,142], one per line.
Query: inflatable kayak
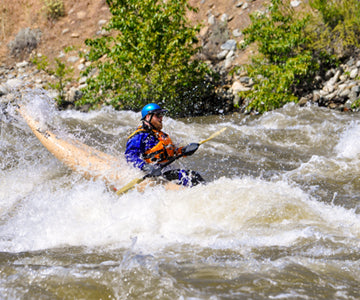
[86,160]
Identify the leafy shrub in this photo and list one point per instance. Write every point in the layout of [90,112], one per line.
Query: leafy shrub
[25,41]
[273,83]
[148,57]
[54,9]
[336,27]
[284,62]
[61,72]
[356,105]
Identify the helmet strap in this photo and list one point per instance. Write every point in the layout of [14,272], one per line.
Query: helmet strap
[149,122]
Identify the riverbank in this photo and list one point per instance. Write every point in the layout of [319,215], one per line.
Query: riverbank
[338,89]
[220,38]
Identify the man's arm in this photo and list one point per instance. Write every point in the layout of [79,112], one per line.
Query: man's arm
[133,152]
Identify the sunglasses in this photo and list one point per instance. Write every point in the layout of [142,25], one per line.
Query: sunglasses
[159,115]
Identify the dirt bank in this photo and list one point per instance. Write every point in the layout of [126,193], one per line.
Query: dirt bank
[83,19]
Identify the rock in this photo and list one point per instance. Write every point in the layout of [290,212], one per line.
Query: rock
[222,54]
[245,79]
[211,20]
[22,64]
[237,33]
[343,77]
[354,73]
[229,45]
[348,104]
[353,96]
[224,18]
[335,78]
[14,83]
[230,54]
[73,59]
[3,90]
[238,87]
[82,80]
[328,88]
[342,87]
[103,32]
[344,93]
[203,31]
[331,96]
[74,95]
[228,62]
[101,23]
[295,3]
[323,93]
[329,73]
[302,101]
[356,88]
[350,62]
[332,105]
[81,67]
[61,54]
[316,96]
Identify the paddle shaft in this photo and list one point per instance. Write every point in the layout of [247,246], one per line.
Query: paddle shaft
[136,181]
[213,136]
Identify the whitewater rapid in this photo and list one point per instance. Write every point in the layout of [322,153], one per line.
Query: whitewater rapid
[282,195]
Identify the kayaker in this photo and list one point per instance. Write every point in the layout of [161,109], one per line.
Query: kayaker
[148,148]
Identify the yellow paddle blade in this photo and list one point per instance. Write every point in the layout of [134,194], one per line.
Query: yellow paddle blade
[129,186]
[213,135]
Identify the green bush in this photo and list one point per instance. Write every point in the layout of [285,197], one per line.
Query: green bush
[148,56]
[61,72]
[356,105]
[294,47]
[273,83]
[336,26]
[284,62]
[54,9]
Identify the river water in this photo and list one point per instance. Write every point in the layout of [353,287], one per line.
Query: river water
[278,218]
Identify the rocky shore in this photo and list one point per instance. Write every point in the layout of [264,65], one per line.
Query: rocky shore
[339,88]
[220,38]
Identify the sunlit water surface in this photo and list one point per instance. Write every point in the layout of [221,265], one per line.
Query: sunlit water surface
[278,218]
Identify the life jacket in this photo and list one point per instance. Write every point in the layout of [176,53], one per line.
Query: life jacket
[162,151]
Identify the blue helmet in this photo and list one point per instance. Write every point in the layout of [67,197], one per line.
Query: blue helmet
[151,108]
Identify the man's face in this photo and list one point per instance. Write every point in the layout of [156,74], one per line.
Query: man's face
[156,120]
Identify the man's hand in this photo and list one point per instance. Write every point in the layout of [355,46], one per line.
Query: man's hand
[190,149]
[152,170]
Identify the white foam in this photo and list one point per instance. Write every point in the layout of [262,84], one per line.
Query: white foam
[225,214]
[348,145]
[62,208]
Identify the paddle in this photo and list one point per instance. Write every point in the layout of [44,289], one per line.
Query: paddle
[136,181]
